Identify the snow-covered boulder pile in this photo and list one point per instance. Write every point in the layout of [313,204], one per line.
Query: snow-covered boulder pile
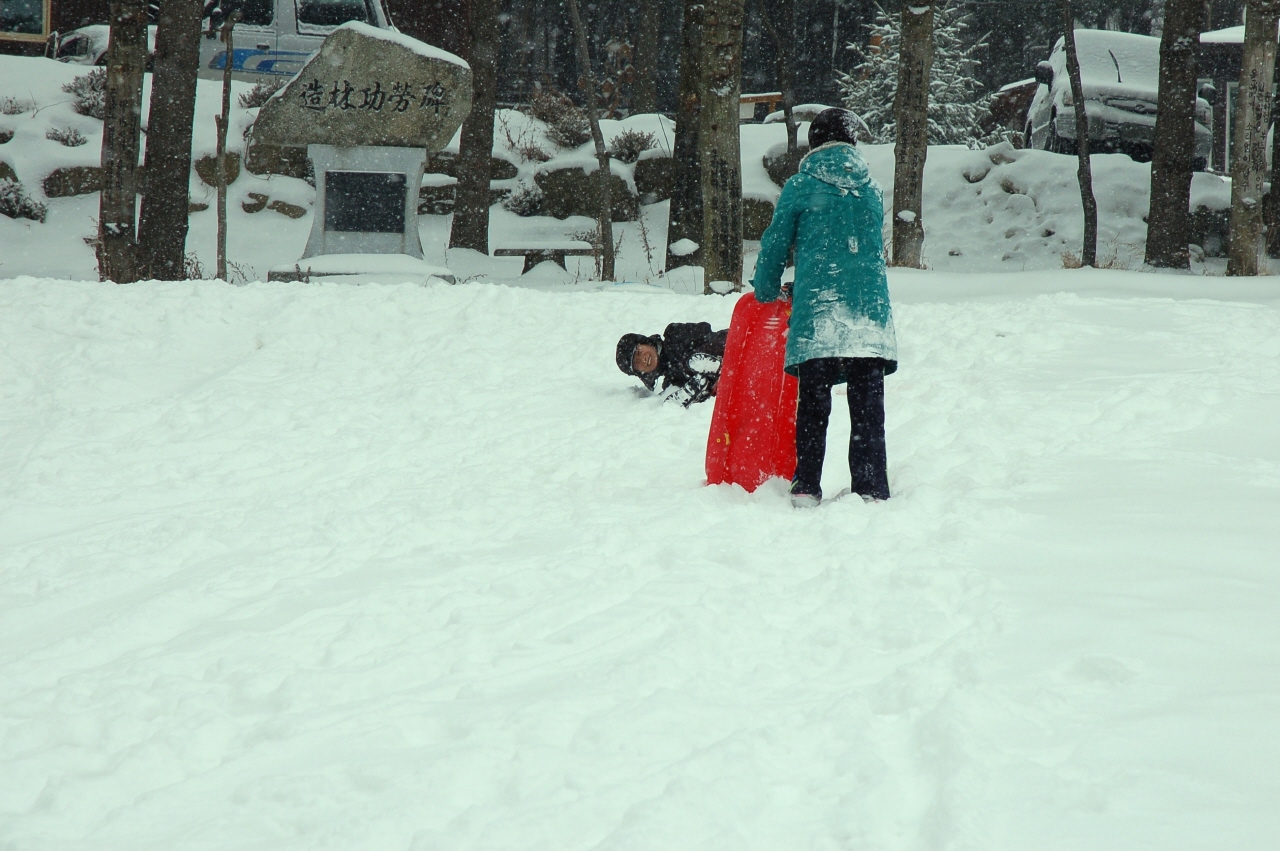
[1022,209]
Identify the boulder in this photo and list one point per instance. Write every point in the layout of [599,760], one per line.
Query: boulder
[573,192]
[284,208]
[370,87]
[278,159]
[207,168]
[756,215]
[1210,229]
[439,200]
[780,166]
[655,179]
[256,204]
[446,163]
[73,180]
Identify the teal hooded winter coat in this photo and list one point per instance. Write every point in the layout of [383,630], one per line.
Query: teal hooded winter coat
[833,213]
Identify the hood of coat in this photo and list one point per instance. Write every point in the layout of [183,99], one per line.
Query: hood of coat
[838,164]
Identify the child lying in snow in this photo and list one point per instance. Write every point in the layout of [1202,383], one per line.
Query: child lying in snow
[686,357]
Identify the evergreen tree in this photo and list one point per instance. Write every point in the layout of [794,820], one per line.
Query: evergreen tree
[955,104]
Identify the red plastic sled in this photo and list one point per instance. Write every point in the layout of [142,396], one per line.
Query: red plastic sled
[753,428]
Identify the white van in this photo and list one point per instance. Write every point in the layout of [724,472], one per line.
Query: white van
[273,40]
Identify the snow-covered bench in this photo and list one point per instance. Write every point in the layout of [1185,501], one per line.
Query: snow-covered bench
[553,250]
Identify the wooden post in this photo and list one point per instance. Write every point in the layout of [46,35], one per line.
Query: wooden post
[1084,171]
[911,145]
[222,120]
[121,141]
[720,90]
[1253,118]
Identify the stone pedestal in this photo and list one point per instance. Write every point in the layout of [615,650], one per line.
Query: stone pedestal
[366,200]
[367,108]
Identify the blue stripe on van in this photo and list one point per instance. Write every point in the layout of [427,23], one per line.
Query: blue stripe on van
[260,61]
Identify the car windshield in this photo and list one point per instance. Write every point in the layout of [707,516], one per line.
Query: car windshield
[1106,56]
[331,13]
[73,48]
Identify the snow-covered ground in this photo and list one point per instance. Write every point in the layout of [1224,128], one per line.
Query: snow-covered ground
[310,566]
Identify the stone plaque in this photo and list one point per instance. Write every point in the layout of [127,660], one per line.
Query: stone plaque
[370,87]
[364,201]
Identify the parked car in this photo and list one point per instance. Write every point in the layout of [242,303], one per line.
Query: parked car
[88,45]
[1008,107]
[273,39]
[1120,75]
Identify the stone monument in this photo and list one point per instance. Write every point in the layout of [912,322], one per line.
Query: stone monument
[368,107]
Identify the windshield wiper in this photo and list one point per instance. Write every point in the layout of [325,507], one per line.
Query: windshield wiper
[1117,61]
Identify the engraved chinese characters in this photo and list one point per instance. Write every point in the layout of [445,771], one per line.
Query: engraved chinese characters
[401,97]
[368,87]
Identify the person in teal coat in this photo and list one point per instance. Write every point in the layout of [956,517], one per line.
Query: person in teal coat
[841,330]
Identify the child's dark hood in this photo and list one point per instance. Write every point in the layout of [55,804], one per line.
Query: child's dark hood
[626,352]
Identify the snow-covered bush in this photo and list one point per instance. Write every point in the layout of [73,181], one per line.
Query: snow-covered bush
[5,135]
[15,106]
[69,136]
[260,93]
[567,125]
[955,104]
[628,145]
[89,92]
[524,200]
[17,204]
[523,140]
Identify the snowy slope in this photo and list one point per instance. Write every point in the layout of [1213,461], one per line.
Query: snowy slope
[297,567]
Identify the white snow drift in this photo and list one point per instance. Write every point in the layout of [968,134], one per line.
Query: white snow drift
[312,566]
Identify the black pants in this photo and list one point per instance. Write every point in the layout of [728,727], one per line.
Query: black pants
[867,457]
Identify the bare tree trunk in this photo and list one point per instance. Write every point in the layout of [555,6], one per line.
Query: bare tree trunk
[646,64]
[471,202]
[1253,117]
[685,221]
[1084,171]
[121,138]
[222,120]
[911,145]
[1168,223]
[162,224]
[779,18]
[1271,203]
[720,91]
[602,153]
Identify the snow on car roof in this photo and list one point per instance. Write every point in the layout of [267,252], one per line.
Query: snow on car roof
[1230,35]
[1105,55]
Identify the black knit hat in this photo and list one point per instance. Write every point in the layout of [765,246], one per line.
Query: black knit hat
[834,125]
